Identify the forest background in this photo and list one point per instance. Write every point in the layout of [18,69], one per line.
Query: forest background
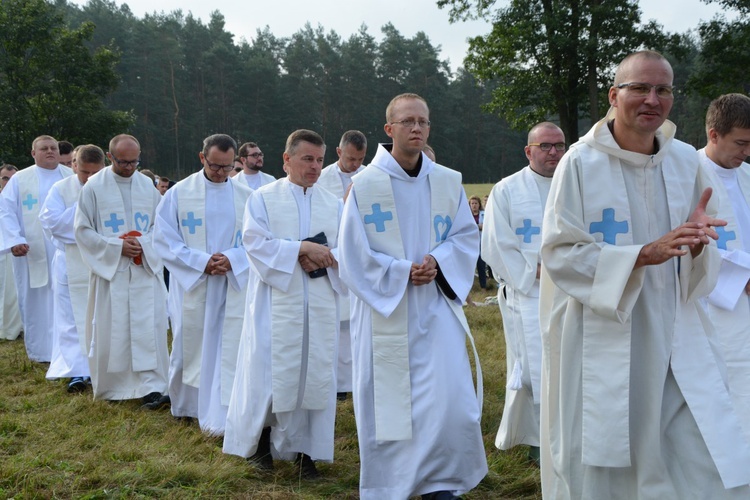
[84,73]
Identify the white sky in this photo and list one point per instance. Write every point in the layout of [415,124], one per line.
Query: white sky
[285,17]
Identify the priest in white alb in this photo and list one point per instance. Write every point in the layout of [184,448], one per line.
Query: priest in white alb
[728,305]
[198,234]
[634,403]
[252,175]
[70,274]
[511,240]
[283,402]
[126,318]
[32,253]
[336,178]
[11,325]
[408,249]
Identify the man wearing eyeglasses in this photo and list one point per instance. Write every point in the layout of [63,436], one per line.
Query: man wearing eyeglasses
[337,178]
[409,246]
[126,319]
[11,324]
[634,404]
[511,241]
[724,161]
[32,253]
[198,235]
[252,175]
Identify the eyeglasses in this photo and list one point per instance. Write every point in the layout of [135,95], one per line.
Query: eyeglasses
[215,167]
[546,146]
[411,122]
[255,155]
[643,89]
[126,164]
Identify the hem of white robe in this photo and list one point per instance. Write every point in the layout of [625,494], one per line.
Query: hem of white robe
[465,485]
[110,395]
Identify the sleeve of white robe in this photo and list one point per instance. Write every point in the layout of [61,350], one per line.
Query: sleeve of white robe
[185,264]
[10,207]
[273,259]
[501,248]
[457,255]
[57,220]
[599,275]
[101,253]
[151,260]
[378,279]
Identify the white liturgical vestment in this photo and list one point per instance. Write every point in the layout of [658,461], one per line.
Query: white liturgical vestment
[415,404]
[286,370]
[22,199]
[728,305]
[126,317]
[253,181]
[70,281]
[196,219]
[511,241]
[634,405]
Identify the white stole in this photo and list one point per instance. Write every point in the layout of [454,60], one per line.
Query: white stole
[288,313]
[331,180]
[527,213]
[28,194]
[730,236]
[191,198]
[77,270]
[390,335]
[138,293]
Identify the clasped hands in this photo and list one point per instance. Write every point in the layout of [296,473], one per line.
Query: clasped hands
[424,273]
[218,265]
[313,256]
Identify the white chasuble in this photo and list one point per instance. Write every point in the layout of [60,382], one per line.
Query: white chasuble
[32,200]
[390,340]
[306,303]
[191,196]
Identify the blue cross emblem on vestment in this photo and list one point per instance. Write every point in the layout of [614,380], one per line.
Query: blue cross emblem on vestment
[608,226]
[444,223]
[528,230]
[30,201]
[378,218]
[114,222]
[191,222]
[724,236]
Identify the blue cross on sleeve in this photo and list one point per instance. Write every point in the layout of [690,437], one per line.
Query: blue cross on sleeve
[724,237]
[191,222]
[608,226]
[528,230]
[114,222]
[378,218]
[30,201]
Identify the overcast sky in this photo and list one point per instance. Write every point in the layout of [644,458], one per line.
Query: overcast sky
[285,17]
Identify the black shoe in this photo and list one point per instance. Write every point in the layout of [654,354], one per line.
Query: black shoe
[306,466]
[263,461]
[77,384]
[439,495]
[342,396]
[160,403]
[151,397]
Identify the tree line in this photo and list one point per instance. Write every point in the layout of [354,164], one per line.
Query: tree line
[86,73]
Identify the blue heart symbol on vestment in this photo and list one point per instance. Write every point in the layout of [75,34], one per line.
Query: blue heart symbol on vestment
[141,222]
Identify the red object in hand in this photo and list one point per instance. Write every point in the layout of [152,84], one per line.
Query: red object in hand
[137,260]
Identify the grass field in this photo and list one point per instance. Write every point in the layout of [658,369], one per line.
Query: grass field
[57,445]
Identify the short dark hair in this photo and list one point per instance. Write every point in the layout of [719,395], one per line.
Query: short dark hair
[8,166]
[163,178]
[728,111]
[245,147]
[221,141]
[90,153]
[64,147]
[302,135]
[355,138]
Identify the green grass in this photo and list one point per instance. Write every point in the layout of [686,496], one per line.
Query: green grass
[57,445]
